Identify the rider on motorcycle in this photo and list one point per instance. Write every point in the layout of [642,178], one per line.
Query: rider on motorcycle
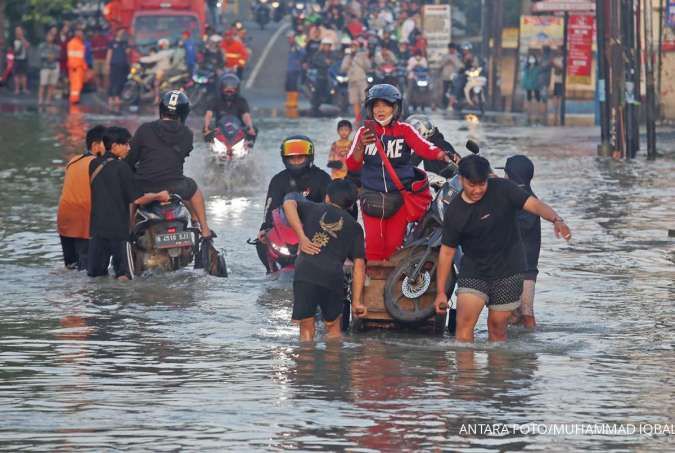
[235,52]
[230,102]
[168,62]
[158,152]
[300,175]
[428,131]
[322,61]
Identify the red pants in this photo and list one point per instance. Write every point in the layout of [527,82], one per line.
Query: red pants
[384,236]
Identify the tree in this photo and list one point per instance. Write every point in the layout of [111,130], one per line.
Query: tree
[34,14]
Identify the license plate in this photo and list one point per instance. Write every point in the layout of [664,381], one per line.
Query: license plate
[171,240]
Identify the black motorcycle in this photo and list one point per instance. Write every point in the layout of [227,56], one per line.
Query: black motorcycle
[199,87]
[262,13]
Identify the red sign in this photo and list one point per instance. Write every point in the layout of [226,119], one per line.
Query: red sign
[580,49]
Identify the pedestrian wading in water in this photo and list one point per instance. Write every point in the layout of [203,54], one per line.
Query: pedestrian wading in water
[483,221]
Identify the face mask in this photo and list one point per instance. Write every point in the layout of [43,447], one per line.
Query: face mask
[386,121]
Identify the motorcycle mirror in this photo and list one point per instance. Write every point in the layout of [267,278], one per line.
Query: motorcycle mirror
[472,146]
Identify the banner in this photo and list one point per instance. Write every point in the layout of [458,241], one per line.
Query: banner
[671,13]
[539,31]
[436,24]
[580,49]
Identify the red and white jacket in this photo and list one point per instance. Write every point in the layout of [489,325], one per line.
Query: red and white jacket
[400,140]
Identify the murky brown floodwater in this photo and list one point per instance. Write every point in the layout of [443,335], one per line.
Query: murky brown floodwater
[185,361]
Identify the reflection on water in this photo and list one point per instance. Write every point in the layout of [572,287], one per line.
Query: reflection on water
[186,361]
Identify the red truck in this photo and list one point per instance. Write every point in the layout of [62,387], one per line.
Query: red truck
[147,21]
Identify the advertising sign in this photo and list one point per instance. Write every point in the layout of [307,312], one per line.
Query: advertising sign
[580,49]
[436,24]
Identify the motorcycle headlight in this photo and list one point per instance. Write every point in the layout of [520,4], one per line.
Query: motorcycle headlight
[239,149]
[199,78]
[422,83]
[300,5]
[370,79]
[275,5]
[342,79]
[218,147]
[281,249]
[134,70]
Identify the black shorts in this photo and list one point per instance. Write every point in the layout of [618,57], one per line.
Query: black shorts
[537,95]
[75,251]
[100,252]
[307,297]
[557,89]
[20,67]
[183,186]
[500,294]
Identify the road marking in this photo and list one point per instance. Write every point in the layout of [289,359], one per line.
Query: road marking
[263,56]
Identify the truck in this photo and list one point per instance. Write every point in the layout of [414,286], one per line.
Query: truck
[148,21]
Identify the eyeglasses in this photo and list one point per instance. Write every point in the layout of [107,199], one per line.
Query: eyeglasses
[297,148]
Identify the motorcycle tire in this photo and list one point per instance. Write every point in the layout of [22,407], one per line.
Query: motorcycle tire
[408,310]
[130,92]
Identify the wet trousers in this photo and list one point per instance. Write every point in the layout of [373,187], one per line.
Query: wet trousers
[76,76]
[384,236]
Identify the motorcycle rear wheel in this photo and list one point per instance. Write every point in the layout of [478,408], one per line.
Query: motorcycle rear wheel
[130,92]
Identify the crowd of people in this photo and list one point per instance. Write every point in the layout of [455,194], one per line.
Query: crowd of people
[361,36]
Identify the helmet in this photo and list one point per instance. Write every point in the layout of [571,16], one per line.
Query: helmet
[297,145]
[229,82]
[175,105]
[422,124]
[467,46]
[387,93]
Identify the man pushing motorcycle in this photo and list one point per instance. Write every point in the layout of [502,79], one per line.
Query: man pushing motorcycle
[158,152]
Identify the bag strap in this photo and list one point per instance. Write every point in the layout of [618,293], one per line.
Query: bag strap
[98,170]
[390,168]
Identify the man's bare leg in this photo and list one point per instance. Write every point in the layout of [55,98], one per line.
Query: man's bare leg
[497,322]
[199,210]
[307,329]
[333,329]
[469,307]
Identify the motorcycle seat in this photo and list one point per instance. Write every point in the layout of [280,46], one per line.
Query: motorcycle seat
[172,210]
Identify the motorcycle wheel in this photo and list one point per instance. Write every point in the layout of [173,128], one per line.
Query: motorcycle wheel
[419,306]
[130,92]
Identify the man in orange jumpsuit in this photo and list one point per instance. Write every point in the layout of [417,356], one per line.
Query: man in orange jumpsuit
[74,212]
[235,53]
[77,65]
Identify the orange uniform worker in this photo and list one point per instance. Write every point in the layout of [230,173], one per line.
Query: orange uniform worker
[77,65]
[235,53]
[74,212]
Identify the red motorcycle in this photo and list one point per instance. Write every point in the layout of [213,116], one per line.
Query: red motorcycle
[280,247]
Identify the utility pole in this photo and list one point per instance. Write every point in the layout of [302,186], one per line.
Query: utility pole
[630,114]
[617,131]
[649,73]
[603,82]
[495,75]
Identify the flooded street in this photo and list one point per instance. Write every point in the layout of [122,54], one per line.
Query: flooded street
[186,361]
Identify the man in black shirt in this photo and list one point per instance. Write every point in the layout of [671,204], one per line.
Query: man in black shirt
[229,102]
[300,175]
[112,193]
[319,277]
[158,152]
[482,220]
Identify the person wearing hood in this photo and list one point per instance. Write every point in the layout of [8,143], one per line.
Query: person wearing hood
[158,152]
[300,176]
[520,170]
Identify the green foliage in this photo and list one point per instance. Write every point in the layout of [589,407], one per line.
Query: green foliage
[38,12]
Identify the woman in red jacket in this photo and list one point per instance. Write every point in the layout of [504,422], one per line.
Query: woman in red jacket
[386,221]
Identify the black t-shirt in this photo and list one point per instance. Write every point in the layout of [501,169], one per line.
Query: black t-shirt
[312,185]
[338,235]
[487,231]
[158,151]
[112,191]
[236,106]
[530,233]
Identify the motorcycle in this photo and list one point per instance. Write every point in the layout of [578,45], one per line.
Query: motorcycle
[278,10]
[163,237]
[262,13]
[140,84]
[298,15]
[280,245]
[317,88]
[229,141]
[387,73]
[420,88]
[338,88]
[473,91]
[202,83]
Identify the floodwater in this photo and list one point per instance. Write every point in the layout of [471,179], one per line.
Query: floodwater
[187,361]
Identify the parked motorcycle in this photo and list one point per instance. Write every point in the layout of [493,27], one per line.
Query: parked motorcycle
[262,13]
[229,141]
[419,94]
[140,84]
[163,237]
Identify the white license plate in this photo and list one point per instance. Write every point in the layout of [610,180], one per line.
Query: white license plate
[171,240]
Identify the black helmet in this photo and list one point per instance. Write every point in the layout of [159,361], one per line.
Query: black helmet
[297,145]
[229,81]
[387,93]
[422,124]
[174,105]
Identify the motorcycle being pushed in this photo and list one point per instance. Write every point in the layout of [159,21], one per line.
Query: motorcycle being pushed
[140,84]
[279,248]
[229,142]
[163,237]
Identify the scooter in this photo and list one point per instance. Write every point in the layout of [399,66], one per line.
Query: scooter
[420,89]
[140,84]
[202,83]
[262,13]
[473,91]
[229,141]
[280,247]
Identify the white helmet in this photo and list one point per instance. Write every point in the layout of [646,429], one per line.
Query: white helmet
[422,124]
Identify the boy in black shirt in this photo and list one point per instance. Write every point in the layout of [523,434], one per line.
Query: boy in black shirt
[112,193]
[483,221]
[319,278]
